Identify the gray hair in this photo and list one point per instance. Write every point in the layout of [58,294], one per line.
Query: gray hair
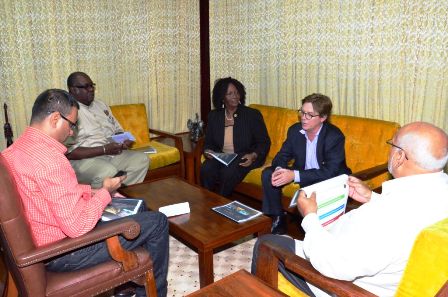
[420,149]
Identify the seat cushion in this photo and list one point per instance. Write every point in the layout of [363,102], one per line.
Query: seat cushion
[289,289]
[166,155]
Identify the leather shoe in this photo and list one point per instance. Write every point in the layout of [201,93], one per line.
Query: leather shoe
[125,290]
[278,224]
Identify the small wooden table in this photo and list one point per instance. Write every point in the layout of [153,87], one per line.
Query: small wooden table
[203,228]
[189,149]
[240,283]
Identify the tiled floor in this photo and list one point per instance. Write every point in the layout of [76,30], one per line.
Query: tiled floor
[183,273]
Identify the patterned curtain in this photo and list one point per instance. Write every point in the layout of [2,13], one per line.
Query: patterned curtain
[378,59]
[135,51]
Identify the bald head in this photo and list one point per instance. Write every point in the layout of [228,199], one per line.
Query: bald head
[425,144]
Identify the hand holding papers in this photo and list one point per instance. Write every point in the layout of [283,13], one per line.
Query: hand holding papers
[120,138]
[331,198]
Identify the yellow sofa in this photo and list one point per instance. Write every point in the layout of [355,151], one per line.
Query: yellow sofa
[169,159]
[425,275]
[365,148]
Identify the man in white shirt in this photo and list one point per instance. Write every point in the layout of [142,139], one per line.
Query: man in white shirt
[92,155]
[371,245]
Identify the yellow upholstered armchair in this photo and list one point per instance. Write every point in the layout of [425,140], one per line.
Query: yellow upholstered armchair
[169,159]
[426,273]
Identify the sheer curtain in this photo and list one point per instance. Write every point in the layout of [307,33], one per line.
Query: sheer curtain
[378,59]
[135,51]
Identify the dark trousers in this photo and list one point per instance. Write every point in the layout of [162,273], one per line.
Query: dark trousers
[153,237]
[221,179]
[289,244]
[272,196]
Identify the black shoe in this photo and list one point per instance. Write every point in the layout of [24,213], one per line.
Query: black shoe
[125,290]
[278,224]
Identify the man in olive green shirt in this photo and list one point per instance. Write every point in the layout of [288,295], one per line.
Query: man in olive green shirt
[92,154]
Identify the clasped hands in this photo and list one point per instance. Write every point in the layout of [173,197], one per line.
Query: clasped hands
[358,191]
[115,148]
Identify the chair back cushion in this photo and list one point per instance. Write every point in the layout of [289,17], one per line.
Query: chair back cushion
[427,268]
[16,238]
[133,118]
[365,143]
[277,120]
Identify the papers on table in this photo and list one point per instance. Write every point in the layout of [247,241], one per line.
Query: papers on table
[237,211]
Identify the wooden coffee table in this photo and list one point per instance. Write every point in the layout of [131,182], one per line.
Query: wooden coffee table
[241,284]
[202,229]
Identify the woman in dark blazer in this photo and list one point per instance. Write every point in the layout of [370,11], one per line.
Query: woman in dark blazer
[232,127]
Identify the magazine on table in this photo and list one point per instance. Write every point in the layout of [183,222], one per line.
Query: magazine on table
[331,198]
[224,158]
[237,211]
[121,137]
[122,207]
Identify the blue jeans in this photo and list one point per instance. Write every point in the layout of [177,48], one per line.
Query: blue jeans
[153,237]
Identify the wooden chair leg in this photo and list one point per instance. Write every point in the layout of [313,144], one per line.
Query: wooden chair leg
[10,289]
[150,284]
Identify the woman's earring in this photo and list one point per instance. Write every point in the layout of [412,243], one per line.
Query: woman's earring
[239,102]
[223,105]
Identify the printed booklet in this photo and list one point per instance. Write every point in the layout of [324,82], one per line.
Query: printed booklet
[331,198]
[224,158]
[237,211]
[150,150]
[122,207]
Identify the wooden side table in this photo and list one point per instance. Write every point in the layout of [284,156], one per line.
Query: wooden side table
[189,149]
[189,157]
[240,283]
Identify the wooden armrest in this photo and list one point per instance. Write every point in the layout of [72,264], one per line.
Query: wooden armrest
[127,258]
[126,227]
[267,269]
[372,172]
[197,156]
[177,143]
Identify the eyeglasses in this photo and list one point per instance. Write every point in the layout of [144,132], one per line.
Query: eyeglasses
[72,125]
[389,142]
[307,115]
[86,86]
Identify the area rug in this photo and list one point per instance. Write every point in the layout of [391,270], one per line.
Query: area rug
[183,272]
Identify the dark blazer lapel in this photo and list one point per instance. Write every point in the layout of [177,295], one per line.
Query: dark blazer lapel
[220,128]
[300,149]
[320,143]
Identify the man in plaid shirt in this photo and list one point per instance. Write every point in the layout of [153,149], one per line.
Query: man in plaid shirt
[57,206]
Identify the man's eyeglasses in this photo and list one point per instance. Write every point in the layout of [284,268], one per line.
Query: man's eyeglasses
[86,86]
[307,115]
[72,125]
[389,142]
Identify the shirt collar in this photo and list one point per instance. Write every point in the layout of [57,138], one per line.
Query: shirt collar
[317,134]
